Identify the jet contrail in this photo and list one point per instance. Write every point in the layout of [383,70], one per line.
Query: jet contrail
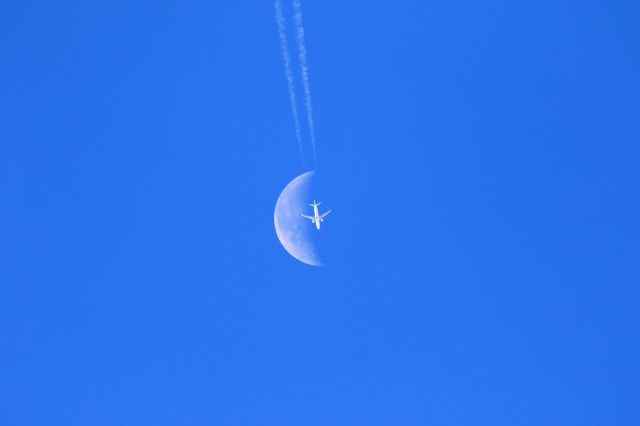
[289,76]
[302,55]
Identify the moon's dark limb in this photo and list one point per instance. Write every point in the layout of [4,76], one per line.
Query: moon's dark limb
[294,231]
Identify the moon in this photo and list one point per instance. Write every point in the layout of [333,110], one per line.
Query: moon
[294,231]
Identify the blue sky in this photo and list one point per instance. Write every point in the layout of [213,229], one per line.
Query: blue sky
[483,165]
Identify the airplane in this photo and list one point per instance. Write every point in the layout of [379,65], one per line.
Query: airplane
[316,218]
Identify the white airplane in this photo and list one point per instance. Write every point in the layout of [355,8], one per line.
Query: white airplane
[316,218]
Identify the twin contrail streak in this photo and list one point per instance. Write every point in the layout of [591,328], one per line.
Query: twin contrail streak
[302,55]
[289,76]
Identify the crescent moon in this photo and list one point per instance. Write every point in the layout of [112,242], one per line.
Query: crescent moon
[293,231]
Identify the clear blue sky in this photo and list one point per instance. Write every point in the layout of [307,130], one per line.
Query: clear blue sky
[484,160]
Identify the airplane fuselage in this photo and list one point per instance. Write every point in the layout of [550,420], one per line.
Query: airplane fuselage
[316,216]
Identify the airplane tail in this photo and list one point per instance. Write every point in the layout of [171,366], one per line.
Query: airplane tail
[314,204]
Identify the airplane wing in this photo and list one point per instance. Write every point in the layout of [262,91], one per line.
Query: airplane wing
[324,214]
[308,217]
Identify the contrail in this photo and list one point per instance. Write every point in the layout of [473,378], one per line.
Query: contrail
[302,55]
[289,76]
